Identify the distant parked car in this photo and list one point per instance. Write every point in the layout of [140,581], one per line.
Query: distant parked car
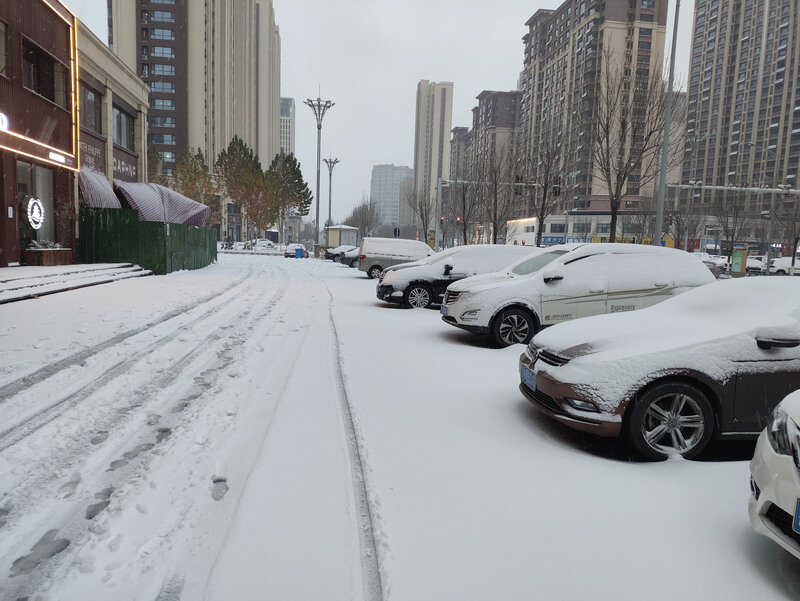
[290,251]
[423,283]
[568,281]
[783,266]
[379,253]
[670,377]
[334,254]
[264,245]
[350,257]
[775,499]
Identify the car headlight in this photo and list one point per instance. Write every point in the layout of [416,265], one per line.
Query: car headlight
[470,315]
[778,432]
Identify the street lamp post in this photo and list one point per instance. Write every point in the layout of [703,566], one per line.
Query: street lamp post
[331,163]
[319,107]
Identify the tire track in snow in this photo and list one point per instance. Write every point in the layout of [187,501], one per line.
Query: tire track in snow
[373,585]
[18,431]
[16,386]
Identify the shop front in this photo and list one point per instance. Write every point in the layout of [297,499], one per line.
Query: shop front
[38,134]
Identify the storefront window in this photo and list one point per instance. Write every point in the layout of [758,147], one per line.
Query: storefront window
[123,129]
[91,109]
[34,181]
[3,48]
[44,75]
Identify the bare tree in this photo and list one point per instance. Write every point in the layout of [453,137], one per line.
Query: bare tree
[364,216]
[465,205]
[423,207]
[548,170]
[788,214]
[627,130]
[731,212]
[496,179]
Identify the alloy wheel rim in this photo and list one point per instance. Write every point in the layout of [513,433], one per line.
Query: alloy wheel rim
[375,272]
[673,423]
[514,329]
[418,298]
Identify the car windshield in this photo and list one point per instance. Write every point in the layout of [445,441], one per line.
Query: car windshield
[534,264]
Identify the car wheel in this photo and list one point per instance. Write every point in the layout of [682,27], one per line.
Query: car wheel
[673,418]
[374,271]
[354,263]
[781,272]
[418,296]
[513,326]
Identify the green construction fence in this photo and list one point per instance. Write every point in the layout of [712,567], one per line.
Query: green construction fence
[117,236]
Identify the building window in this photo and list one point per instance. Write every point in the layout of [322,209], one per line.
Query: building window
[162,121]
[3,48]
[163,52]
[91,109]
[123,129]
[167,157]
[164,15]
[166,87]
[44,75]
[167,139]
[161,104]
[163,34]
[558,228]
[158,69]
[162,1]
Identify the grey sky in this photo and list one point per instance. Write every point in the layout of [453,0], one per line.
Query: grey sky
[368,55]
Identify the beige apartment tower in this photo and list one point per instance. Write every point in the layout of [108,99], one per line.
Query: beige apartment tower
[214,71]
[434,118]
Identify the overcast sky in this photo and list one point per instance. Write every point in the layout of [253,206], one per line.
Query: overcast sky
[368,55]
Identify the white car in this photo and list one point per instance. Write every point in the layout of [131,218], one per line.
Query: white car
[566,282]
[783,266]
[775,477]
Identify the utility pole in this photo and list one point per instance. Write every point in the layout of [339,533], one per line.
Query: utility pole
[319,107]
[331,163]
[662,184]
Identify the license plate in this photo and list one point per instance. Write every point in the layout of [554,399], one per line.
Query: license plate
[528,377]
[796,523]
[443,310]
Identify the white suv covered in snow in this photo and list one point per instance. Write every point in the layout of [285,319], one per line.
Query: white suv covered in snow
[566,282]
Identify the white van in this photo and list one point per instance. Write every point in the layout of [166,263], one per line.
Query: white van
[379,253]
[566,282]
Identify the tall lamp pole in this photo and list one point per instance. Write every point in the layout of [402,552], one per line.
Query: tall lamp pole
[662,184]
[319,107]
[331,163]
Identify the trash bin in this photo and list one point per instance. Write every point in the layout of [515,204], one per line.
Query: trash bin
[299,253]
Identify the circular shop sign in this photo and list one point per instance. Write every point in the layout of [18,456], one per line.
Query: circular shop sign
[35,213]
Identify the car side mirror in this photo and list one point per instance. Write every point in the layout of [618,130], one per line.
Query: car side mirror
[552,276]
[777,337]
[447,268]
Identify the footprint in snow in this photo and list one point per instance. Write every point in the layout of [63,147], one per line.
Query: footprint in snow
[47,547]
[3,513]
[99,437]
[153,419]
[104,497]
[219,486]
[162,434]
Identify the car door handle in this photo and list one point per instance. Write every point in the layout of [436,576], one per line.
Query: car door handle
[596,291]
[661,284]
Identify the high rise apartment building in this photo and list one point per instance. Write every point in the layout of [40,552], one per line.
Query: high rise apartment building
[565,50]
[388,190]
[434,118]
[744,96]
[287,125]
[213,69]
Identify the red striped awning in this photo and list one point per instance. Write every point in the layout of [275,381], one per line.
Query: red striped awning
[97,191]
[157,203]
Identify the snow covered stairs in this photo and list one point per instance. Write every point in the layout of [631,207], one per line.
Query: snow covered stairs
[21,283]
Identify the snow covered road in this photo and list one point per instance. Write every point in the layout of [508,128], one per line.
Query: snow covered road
[189,437]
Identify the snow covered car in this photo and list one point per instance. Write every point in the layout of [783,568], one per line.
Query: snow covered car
[783,266]
[423,283]
[670,377]
[775,500]
[379,253]
[290,251]
[334,254]
[350,257]
[568,281]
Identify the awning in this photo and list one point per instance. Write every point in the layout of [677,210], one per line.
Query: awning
[157,203]
[97,191]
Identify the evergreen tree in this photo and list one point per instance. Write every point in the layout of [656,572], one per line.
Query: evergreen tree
[292,195]
[192,178]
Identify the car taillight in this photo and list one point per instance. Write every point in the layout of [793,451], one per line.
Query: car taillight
[362,257]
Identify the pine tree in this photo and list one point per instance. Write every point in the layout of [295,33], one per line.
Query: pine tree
[292,195]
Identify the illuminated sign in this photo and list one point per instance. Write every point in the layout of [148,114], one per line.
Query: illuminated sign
[35,213]
[4,124]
